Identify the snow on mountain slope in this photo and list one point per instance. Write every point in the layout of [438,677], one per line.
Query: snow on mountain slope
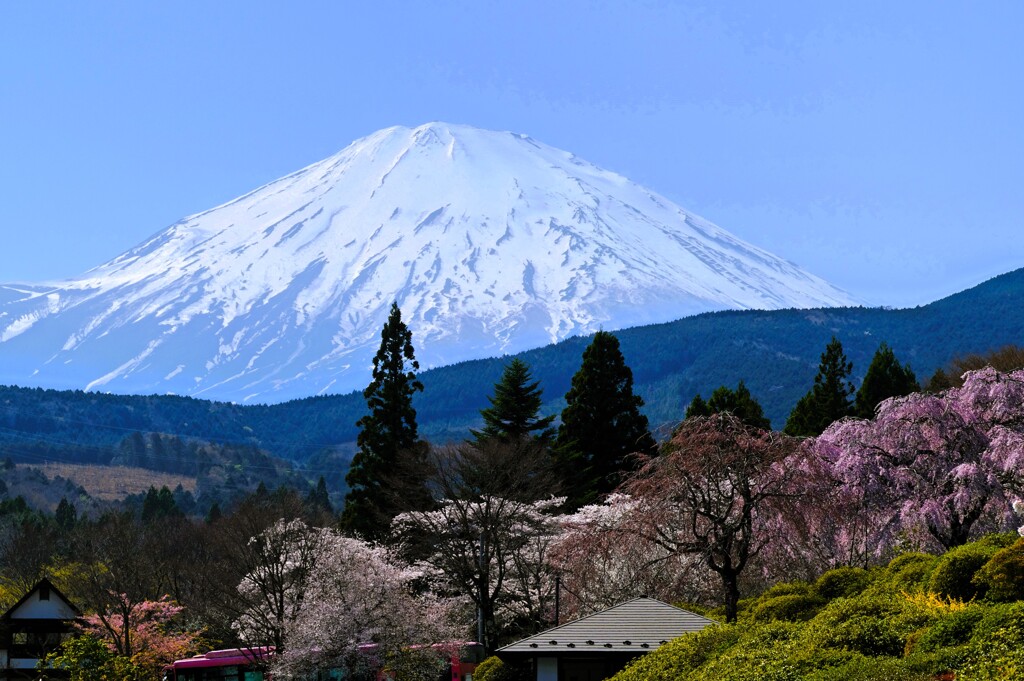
[490,242]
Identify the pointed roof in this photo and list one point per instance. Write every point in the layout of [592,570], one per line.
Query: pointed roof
[636,626]
[54,591]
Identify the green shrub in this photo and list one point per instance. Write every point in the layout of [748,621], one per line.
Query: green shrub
[999,657]
[1002,577]
[861,668]
[907,572]
[842,582]
[870,624]
[952,629]
[937,662]
[745,605]
[764,653]
[953,576]
[787,607]
[1002,616]
[680,657]
[493,669]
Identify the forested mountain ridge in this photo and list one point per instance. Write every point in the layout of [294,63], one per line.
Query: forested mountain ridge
[775,353]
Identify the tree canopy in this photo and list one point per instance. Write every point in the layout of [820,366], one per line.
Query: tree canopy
[515,407]
[885,378]
[601,423]
[829,399]
[387,434]
[737,402]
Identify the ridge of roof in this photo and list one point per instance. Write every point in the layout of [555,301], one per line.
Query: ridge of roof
[53,589]
[682,622]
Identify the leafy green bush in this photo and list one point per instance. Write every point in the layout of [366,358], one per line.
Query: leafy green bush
[953,575]
[883,624]
[861,668]
[680,657]
[788,607]
[1002,577]
[934,663]
[998,654]
[952,629]
[842,582]
[869,624]
[494,669]
[765,653]
[906,572]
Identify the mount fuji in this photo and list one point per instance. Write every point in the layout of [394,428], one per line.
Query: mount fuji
[490,242]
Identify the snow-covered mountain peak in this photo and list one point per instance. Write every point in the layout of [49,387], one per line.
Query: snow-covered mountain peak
[491,242]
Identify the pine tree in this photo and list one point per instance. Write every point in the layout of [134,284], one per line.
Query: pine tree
[601,423]
[829,399]
[513,413]
[387,434]
[318,499]
[159,506]
[66,515]
[697,407]
[738,402]
[885,378]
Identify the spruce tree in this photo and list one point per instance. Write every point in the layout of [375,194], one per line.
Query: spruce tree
[387,434]
[829,399]
[738,402]
[601,423]
[885,378]
[513,414]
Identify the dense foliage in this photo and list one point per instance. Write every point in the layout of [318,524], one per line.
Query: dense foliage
[515,406]
[775,353]
[883,624]
[829,399]
[738,402]
[388,439]
[601,424]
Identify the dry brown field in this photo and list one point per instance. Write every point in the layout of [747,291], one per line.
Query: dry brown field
[112,483]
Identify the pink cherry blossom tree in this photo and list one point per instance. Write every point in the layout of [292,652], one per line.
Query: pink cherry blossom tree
[270,595]
[602,560]
[491,530]
[356,606]
[931,469]
[714,492]
[148,633]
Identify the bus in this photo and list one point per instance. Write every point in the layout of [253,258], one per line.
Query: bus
[248,664]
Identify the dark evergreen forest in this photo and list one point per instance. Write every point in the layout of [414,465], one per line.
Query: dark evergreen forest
[775,353]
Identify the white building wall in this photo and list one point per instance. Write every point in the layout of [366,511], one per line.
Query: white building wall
[34,608]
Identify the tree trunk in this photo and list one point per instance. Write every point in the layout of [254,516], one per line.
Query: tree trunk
[730,582]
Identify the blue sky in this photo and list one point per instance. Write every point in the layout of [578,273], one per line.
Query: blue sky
[878,145]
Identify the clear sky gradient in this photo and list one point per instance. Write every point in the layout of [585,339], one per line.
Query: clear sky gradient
[878,145]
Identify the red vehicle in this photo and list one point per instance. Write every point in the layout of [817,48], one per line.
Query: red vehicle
[245,664]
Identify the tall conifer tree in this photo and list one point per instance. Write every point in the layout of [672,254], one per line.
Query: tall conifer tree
[885,378]
[513,414]
[601,423]
[387,436]
[829,399]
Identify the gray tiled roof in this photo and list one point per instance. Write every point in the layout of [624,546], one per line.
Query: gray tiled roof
[636,626]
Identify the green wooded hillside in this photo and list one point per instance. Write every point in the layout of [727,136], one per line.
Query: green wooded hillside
[776,353]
